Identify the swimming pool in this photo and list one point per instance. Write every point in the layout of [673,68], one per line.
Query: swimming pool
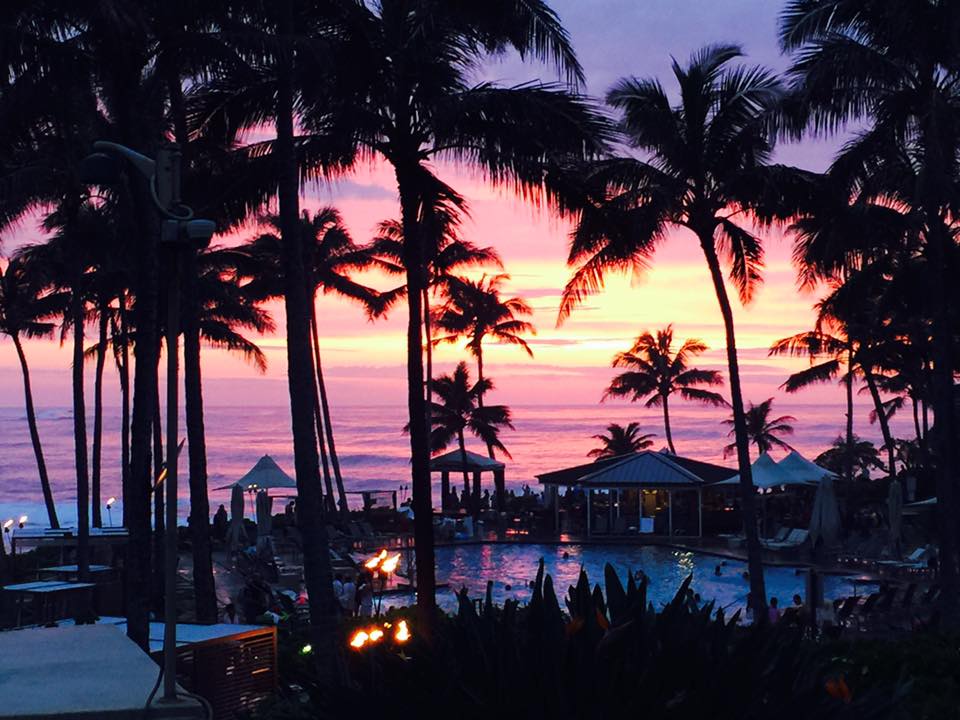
[512,567]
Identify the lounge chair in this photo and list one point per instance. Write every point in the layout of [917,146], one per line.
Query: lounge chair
[795,539]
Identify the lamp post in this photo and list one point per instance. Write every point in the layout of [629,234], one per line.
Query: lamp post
[110,503]
[178,230]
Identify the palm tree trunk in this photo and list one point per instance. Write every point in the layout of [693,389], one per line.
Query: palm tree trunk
[666,425]
[204,589]
[80,437]
[98,413]
[159,519]
[318,573]
[848,388]
[882,419]
[915,407]
[747,492]
[428,383]
[479,350]
[327,421]
[35,435]
[407,176]
[328,498]
[466,475]
[122,351]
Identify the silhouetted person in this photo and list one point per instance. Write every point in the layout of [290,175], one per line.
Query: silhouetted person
[220,522]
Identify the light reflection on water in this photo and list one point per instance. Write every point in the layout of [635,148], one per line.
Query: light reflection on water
[471,566]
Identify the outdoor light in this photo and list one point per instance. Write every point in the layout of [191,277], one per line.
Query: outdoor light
[22,521]
[376,635]
[7,525]
[374,562]
[306,649]
[359,639]
[390,564]
[403,632]
[110,502]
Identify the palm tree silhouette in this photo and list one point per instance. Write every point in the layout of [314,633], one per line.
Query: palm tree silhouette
[706,163]
[445,254]
[763,431]
[865,457]
[432,110]
[330,257]
[621,440]
[458,409]
[860,62]
[476,310]
[657,372]
[22,309]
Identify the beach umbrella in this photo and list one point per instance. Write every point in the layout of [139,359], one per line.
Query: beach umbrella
[825,518]
[235,531]
[895,515]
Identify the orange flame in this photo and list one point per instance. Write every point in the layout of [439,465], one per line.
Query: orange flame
[374,562]
[403,632]
[376,634]
[359,639]
[390,564]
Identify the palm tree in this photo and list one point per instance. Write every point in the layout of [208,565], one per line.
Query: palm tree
[860,62]
[445,254]
[864,454]
[621,440]
[330,257]
[459,409]
[22,307]
[705,161]
[476,310]
[434,109]
[763,431]
[222,311]
[657,372]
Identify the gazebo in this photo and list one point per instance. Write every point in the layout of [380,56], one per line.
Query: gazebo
[639,479]
[475,466]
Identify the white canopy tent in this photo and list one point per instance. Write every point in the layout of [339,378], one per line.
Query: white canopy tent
[803,470]
[265,475]
[767,474]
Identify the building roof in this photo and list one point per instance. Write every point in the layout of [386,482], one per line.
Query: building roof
[453,462]
[647,469]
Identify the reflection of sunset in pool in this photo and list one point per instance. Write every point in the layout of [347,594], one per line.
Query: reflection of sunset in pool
[514,566]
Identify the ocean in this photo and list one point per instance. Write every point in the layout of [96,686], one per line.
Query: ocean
[373,451]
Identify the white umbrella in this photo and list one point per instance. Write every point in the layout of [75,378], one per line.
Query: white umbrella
[825,519]
[802,470]
[235,531]
[895,515]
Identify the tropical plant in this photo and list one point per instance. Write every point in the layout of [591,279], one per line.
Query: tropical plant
[22,307]
[764,432]
[458,408]
[436,109]
[591,653]
[705,161]
[860,62]
[657,372]
[621,440]
[861,453]
[330,257]
[476,310]
[445,254]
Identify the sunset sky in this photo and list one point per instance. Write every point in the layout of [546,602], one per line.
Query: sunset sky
[365,360]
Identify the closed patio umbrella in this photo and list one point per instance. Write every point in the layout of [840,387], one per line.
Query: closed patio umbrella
[264,514]
[235,532]
[895,516]
[825,518]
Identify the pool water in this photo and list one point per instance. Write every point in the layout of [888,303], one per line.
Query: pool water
[512,567]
